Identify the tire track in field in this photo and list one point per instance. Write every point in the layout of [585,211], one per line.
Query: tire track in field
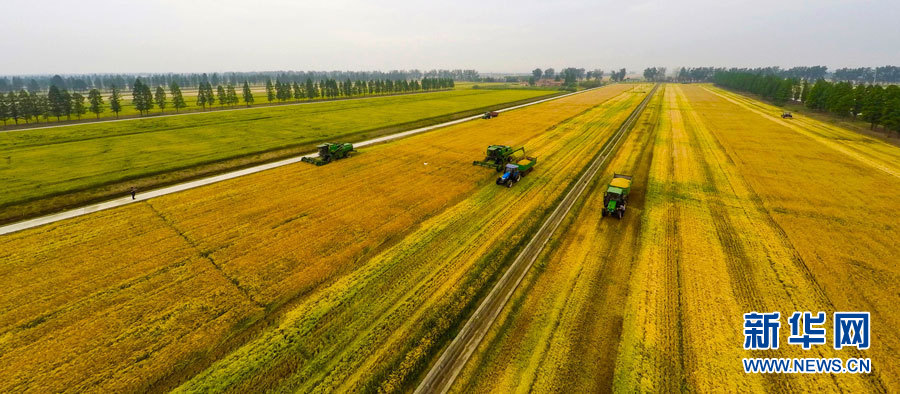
[673,318]
[206,254]
[777,382]
[742,274]
[615,271]
[455,356]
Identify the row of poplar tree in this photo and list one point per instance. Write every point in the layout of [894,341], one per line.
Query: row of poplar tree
[876,104]
[58,103]
[330,88]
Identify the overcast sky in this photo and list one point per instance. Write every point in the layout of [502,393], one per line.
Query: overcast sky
[86,36]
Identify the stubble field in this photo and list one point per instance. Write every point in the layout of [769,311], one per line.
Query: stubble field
[396,242]
[355,275]
[736,210]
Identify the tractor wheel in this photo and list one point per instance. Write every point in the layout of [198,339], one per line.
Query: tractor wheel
[604,213]
[619,214]
[509,183]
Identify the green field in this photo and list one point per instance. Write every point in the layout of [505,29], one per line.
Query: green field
[190,97]
[43,170]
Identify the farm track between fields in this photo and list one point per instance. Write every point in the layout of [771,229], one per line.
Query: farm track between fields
[46,219]
[443,373]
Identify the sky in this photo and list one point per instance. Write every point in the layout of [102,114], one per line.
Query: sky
[91,36]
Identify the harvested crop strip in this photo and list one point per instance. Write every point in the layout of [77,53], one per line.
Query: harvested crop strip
[288,234]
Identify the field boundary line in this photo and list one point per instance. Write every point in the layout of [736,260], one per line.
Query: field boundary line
[448,366]
[91,208]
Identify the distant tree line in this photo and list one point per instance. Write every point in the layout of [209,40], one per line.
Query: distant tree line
[59,102]
[568,75]
[655,73]
[878,75]
[83,83]
[878,105]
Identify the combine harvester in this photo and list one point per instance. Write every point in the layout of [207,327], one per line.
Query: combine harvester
[490,114]
[498,156]
[616,195]
[329,152]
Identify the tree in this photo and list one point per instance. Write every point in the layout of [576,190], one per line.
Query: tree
[96,102]
[58,82]
[210,98]
[115,103]
[26,105]
[66,103]
[223,97]
[4,109]
[78,107]
[160,98]
[804,92]
[41,106]
[298,91]
[248,94]
[141,96]
[177,99]
[12,105]
[270,90]
[310,89]
[537,73]
[54,95]
[549,73]
[230,95]
[202,99]
[873,106]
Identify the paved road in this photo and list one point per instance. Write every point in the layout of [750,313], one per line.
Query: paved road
[42,220]
[454,358]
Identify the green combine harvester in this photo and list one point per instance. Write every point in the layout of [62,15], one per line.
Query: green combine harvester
[616,195]
[329,152]
[498,156]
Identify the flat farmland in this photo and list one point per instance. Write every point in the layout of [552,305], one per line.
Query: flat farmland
[733,210]
[94,161]
[348,276]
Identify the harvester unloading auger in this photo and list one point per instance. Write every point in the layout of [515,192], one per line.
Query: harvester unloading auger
[498,156]
[329,152]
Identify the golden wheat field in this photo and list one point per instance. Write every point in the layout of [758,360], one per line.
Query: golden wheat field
[734,210]
[143,297]
[354,276]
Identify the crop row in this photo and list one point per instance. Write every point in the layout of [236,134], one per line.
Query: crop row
[378,327]
[141,296]
[734,210]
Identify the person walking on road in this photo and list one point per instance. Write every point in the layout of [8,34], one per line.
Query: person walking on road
[133,192]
